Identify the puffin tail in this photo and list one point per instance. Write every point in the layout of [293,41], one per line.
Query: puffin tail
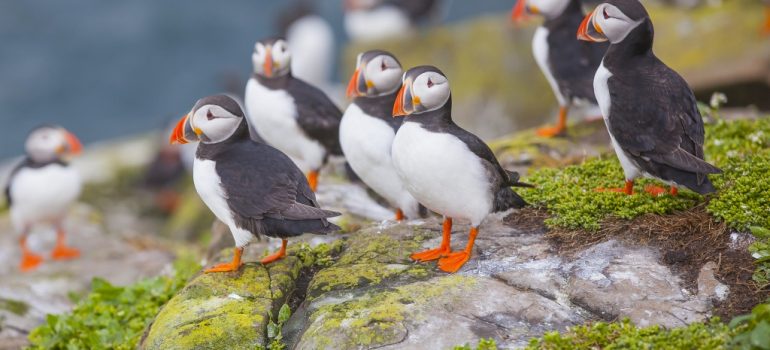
[513,180]
[702,185]
[506,198]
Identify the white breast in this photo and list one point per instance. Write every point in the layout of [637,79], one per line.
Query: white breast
[311,40]
[274,115]
[442,173]
[209,187]
[43,195]
[602,92]
[540,51]
[366,142]
[377,24]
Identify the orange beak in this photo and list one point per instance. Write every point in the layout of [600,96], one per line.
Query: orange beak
[352,91]
[75,147]
[398,107]
[519,12]
[267,67]
[589,30]
[177,136]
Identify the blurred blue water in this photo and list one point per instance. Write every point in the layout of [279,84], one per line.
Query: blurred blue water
[106,68]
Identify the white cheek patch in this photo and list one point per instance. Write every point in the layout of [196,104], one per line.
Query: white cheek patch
[384,81]
[432,97]
[549,8]
[618,26]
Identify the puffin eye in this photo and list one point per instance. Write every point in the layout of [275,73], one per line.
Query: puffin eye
[430,83]
[209,115]
[606,15]
[383,66]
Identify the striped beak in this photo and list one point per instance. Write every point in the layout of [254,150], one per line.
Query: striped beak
[184,132]
[405,102]
[72,144]
[590,30]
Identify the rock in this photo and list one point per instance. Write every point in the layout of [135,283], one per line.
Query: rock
[224,310]
[708,286]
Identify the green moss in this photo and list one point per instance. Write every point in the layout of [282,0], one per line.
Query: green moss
[111,317]
[14,306]
[624,335]
[377,316]
[484,344]
[570,195]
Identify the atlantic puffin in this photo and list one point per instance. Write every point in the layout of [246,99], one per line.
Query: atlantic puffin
[289,114]
[568,65]
[251,187]
[649,110]
[368,128]
[446,168]
[41,189]
[371,20]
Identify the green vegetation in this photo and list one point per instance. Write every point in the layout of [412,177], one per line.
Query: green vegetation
[624,335]
[275,330]
[760,250]
[570,194]
[484,344]
[752,331]
[112,317]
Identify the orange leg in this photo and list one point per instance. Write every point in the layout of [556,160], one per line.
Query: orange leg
[766,25]
[228,267]
[277,256]
[659,191]
[61,251]
[399,215]
[454,261]
[312,179]
[29,260]
[442,250]
[628,189]
[561,125]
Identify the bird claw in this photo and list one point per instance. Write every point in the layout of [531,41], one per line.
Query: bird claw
[272,258]
[454,261]
[430,254]
[224,267]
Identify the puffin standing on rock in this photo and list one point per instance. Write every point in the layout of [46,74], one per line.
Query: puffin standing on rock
[568,65]
[650,112]
[448,169]
[251,187]
[42,188]
[289,114]
[368,128]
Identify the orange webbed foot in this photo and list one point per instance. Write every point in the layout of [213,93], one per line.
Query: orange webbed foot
[224,267]
[655,190]
[30,262]
[454,261]
[627,189]
[430,254]
[62,252]
[551,131]
[273,258]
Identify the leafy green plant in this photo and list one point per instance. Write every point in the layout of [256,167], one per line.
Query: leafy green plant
[571,197]
[625,335]
[760,250]
[112,317]
[484,344]
[275,330]
[752,331]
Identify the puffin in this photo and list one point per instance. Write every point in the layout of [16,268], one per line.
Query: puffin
[446,168]
[311,41]
[372,20]
[42,188]
[368,128]
[650,112]
[568,65]
[251,187]
[288,113]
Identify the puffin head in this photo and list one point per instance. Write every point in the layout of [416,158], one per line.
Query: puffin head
[546,8]
[423,89]
[377,73]
[613,21]
[271,57]
[49,142]
[213,119]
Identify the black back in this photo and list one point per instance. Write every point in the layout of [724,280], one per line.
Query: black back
[317,115]
[653,114]
[573,63]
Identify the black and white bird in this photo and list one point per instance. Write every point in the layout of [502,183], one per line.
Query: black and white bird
[371,20]
[447,169]
[289,114]
[251,187]
[42,188]
[650,111]
[368,128]
[568,65]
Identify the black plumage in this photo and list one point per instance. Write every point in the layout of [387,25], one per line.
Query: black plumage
[266,193]
[572,63]
[380,107]
[653,114]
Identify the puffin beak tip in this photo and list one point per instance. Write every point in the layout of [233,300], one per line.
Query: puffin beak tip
[352,90]
[177,136]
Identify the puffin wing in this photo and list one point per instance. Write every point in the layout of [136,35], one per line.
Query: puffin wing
[317,115]
[481,150]
[665,126]
[261,182]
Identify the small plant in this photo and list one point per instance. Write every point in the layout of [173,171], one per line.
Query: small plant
[752,331]
[484,344]
[760,250]
[275,330]
[112,317]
